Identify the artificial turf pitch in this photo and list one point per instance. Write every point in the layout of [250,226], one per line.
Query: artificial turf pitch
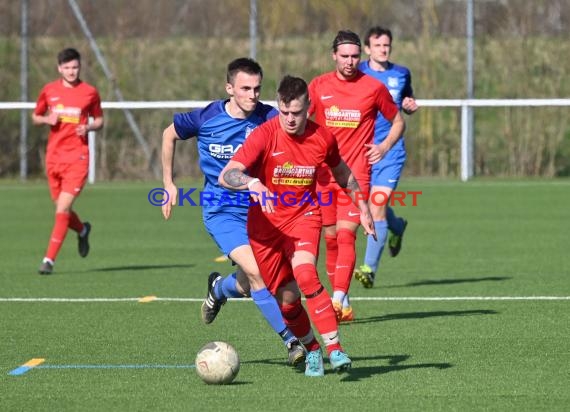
[473,314]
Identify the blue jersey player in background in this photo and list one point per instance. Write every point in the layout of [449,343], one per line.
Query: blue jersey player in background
[386,173]
[220,130]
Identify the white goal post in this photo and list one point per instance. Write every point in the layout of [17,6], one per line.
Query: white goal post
[467,144]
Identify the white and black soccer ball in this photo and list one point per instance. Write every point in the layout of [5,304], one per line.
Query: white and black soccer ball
[217,363]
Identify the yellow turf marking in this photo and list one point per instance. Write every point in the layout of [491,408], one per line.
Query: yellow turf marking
[34,362]
[147,299]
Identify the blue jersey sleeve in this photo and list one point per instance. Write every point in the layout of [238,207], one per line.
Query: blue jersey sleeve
[188,124]
[407,90]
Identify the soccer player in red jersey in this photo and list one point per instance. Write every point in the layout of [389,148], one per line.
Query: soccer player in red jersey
[65,105]
[346,102]
[281,157]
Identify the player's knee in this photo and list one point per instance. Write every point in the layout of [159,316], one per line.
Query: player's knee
[288,294]
[329,230]
[378,211]
[250,274]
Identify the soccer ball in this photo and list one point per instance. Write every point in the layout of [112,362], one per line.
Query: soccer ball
[217,363]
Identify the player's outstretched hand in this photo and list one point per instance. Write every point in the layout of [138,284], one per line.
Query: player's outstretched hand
[409,105]
[367,223]
[172,199]
[261,194]
[375,152]
[52,118]
[82,130]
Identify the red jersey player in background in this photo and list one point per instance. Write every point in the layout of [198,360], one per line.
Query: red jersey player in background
[66,105]
[346,102]
[282,157]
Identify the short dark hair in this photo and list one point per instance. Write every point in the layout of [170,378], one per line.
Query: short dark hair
[291,88]
[345,37]
[242,64]
[377,31]
[67,55]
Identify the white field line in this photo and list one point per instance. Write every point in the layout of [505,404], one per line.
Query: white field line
[354,298]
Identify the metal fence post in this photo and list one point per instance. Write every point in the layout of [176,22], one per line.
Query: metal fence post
[466,141]
[91,142]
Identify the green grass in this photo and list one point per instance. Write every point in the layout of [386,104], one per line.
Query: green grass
[486,238]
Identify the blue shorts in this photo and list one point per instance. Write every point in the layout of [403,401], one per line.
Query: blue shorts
[388,170]
[228,230]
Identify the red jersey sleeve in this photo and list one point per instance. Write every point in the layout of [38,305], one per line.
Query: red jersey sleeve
[312,97]
[41,103]
[96,110]
[385,103]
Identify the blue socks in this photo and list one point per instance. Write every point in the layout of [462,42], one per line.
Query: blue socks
[269,308]
[287,335]
[264,301]
[395,223]
[374,248]
[227,288]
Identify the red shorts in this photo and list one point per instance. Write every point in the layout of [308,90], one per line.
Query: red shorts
[273,249]
[340,206]
[67,177]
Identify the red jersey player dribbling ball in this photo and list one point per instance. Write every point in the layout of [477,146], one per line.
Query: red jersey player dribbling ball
[287,165]
[284,228]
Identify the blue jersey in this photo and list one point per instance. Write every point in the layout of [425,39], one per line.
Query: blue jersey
[398,81]
[219,136]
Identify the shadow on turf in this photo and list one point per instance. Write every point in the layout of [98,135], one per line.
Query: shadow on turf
[451,281]
[394,365]
[358,373]
[140,267]
[421,315]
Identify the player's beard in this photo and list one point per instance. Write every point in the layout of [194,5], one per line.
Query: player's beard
[349,72]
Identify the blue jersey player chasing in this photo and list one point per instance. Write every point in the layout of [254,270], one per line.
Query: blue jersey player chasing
[385,174]
[220,129]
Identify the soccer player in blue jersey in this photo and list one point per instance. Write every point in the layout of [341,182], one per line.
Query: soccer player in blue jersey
[220,129]
[386,173]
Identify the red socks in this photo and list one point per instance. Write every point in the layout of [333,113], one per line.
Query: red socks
[331,257]
[346,259]
[75,223]
[319,305]
[297,320]
[62,221]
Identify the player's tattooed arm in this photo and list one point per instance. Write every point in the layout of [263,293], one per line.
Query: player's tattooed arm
[235,178]
[352,184]
[346,180]
[344,176]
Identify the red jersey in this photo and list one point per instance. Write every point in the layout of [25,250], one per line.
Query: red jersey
[348,108]
[287,166]
[74,105]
